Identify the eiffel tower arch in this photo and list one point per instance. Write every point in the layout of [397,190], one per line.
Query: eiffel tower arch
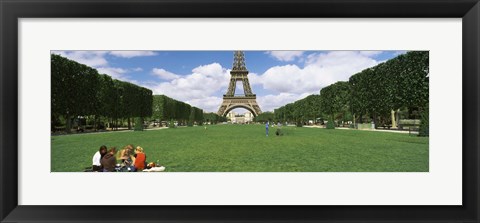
[248,100]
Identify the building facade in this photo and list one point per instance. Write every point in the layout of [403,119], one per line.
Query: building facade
[238,118]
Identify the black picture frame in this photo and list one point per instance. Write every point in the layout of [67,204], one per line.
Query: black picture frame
[12,10]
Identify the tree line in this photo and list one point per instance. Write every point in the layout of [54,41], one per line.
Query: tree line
[400,83]
[300,111]
[377,94]
[78,90]
[213,118]
[168,109]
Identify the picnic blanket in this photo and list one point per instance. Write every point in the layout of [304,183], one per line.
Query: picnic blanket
[155,169]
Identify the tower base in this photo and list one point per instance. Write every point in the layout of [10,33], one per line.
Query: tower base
[247,102]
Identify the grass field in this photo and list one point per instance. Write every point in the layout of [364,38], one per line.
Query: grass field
[245,148]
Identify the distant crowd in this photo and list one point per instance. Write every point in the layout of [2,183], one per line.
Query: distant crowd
[106,160]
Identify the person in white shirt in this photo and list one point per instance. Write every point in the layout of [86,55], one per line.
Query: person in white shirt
[96,165]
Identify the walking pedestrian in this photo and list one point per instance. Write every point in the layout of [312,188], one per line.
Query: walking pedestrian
[266,127]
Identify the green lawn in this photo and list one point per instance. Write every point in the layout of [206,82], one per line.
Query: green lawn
[245,148]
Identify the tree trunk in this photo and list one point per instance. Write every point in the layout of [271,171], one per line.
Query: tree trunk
[95,122]
[394,122]
[129,124]
[68,124]
[354,120]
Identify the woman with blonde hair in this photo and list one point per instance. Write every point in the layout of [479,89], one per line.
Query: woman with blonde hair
[140,159]
[126,155]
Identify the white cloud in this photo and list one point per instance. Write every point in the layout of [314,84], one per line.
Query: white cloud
[97,60]
[320,70]
[197,88]
[208,104]
[112,71]
[214,70]
[132,53]
[254,79]
[163,74]
[285,55]
[271,102]
[117,73]
[89,58]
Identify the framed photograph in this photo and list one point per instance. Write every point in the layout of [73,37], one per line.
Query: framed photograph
[229,111]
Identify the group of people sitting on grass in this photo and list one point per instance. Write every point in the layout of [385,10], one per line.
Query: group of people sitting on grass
[106,160]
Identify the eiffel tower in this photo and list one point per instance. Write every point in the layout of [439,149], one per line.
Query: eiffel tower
[231,101]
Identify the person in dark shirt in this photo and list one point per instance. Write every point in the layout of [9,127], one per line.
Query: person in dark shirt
[109,161]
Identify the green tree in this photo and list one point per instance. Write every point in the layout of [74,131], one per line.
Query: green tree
[264,117]
[313,106]
[335,99]
[424,122]
[410,75]
[78,90]
[74,89]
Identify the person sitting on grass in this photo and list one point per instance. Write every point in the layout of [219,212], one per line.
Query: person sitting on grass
[108,161]
[140,159]
[126,155]
[96,165]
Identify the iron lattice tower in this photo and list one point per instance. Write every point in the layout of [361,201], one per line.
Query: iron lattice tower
[248,100]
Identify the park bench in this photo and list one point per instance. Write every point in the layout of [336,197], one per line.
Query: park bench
[407,123]
[412,125]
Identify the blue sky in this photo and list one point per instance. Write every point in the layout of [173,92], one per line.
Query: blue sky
[200,78]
